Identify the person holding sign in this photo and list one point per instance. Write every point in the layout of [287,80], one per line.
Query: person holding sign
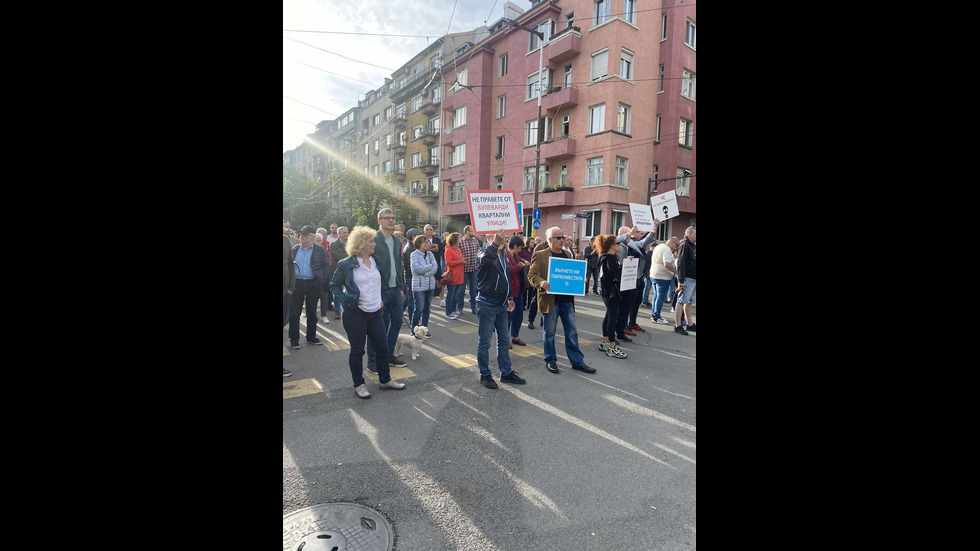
[496,299]
[553,306]
[610,270]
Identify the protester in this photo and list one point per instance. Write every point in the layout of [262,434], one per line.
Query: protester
[532,309]
[495,301]
[687,267]
[325,283]
[312,267]
[634,247]
[338,252]
[408,306]
[610,270]
[288,284]
[333,235]
[555,306]
[527,253]
[591,255]
[425,268]
[518,282]
[469,246]
[662,273]
[454,263]
[388,252]
[359,284]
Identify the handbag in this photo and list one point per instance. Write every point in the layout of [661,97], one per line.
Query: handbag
[445,279]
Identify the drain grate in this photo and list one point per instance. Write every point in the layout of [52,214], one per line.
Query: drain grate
[337,527]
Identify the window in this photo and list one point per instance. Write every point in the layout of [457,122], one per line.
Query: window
[459,155]
[629,10]
[500,146]
[623,118]
[567,80]
[501,106]
[600,12]
[531,132]
[657,130]
[531,90]
[593,168]
[457,192]
[377,146]
[661,79]
[415,186]
[387,140]
[683,187]
[600,64]
[400,165]
[626,64]
[663,27]
[460,118]
[563,177]
[375,169]
[618,221]
[387,113]
[622,164]
[691,34]
[416,159]
[564,125]
[592,226]
[387,167]
[547,124]
[502,65]
[433,155]
[417,131]
[377,119]
[367,148]
[544,177]
[498,182]
[597,118]
[460,81]
[416,103]
[402,138]
[547,28]
[433,188]
[687,85]
[436,94]
[687,129]
[569,19]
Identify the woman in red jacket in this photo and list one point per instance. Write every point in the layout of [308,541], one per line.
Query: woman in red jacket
[454,263]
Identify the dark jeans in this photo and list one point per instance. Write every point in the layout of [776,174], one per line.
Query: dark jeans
[471,278]
[308,290]
[360,324]
[637,300]
[286,297]
[326,301]
[516,318]
[592,273]
[624,310]
[532,309]
[609,320]
[392,299]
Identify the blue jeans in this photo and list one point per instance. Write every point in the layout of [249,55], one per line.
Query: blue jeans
[493,317]
[461,296]
[647,287]
[409,305]
[392,317]
[549,323]
[451,292]
[663,287]
[516,317]
[423,301]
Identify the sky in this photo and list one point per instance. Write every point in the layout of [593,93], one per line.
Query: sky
[359,62]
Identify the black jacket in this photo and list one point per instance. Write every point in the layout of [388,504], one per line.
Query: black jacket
[687,261]
[493,280]
[610,270]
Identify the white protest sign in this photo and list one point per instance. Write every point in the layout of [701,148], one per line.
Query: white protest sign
[642,216]
[665,205]
[492,211]
[627,281]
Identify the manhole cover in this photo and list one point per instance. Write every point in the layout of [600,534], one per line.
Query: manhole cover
[336,527]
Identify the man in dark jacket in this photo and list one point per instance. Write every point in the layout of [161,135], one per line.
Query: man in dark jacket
[687,273]
[288,283]
[312,265]
[495,299]
[388,249]
[592,268]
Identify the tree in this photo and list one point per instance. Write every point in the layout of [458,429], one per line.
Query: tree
[364,196]
[302,201]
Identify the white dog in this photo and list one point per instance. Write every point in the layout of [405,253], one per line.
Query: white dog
[412,341]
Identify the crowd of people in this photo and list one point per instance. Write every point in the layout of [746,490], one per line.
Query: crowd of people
[377,281]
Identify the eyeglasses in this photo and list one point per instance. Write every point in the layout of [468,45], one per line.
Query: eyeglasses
[562,237]
[387,218]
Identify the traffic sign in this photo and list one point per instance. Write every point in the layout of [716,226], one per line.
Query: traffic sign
[536,224]
[567,216]
[580,215]
[537,214]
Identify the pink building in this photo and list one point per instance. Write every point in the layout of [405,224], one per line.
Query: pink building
[600,112]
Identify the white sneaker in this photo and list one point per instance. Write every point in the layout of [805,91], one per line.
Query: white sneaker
[362,391]
[393,384]
[662,321]
[452,316]
[323,319]
[442,302]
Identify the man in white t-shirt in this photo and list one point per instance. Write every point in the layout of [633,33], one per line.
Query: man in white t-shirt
[662,272]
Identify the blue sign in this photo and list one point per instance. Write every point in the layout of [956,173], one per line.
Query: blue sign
[537,214]
[566,276]
[579,215]
[536,224]
[520,214]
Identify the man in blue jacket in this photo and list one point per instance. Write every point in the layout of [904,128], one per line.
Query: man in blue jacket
[495,300]
[312,266]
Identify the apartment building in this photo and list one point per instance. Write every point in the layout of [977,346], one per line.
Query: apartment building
[598,73]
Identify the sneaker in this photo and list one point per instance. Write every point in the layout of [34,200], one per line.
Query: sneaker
[620,353]
[488,382]
[612,351]
[372,368]
[518,342]
[286,372]
[636,327]
[314,340]
[362,391]
[459,312]
[680,330]
[552,367]
[324,319]
[442,302]
[661,321]
[428,336]
[396,361]
[629,332]
[585,368]
[603,346]
[672,309]
[513,378]
[452,316]
[393,385]
[624,338]
[692,327]
[530,325]
[294,344]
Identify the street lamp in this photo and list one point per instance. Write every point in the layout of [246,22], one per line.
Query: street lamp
[656,181]
[538,125]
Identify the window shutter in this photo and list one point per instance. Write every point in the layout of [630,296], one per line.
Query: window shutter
[600,65]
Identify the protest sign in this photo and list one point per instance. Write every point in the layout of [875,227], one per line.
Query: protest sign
[664,205]
[627,281]
[520,215]
[642,216]
[492,211]
[567,276]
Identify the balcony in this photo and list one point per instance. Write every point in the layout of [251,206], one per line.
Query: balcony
[398,149]
[428,194]
[399,175]
[430,166]
[429,137]
[556,199]
[564,45]
[559,98]
[399,119]
[429,107]
[557,148]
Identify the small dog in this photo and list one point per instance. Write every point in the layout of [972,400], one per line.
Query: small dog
[413,341]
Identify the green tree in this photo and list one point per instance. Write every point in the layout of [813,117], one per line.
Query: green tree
[302,199]
[364,196]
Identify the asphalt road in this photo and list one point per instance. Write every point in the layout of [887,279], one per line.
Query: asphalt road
[568,461]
